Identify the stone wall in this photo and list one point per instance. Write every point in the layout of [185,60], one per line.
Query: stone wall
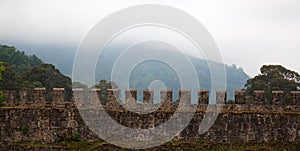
[27,116]
[37,97]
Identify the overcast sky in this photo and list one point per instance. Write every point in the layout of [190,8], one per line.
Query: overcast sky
[249,33]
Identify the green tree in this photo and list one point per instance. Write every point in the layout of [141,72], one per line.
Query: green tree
[2,68]
[28,71]
[18,58]
[10,79]
[274,78]
[109,85]
[46,75]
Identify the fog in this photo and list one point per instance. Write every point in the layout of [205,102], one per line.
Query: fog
[248,33]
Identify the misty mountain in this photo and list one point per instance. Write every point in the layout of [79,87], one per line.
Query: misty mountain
[143,74]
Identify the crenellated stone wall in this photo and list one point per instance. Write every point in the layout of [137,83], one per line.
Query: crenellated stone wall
[27,116]
[37,97]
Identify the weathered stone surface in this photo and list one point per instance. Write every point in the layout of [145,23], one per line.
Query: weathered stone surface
[259,97]
[166,99]
[236,123]
[58,97]
[10,97]
[240,97]
[203,96]
[148,96]
[277,97]
[221,97]
[32,120]
[295,97]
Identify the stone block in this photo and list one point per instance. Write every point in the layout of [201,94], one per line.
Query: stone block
[203,97]
[295,97]
[259,97]
[78,96]
[240,97]
[9,97]
[148,96]
[58,97]
[185,97]
[131,96]
[39,97]
[221,97]
[277,97]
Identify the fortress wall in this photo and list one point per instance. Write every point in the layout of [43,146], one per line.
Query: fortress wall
[37,97]
[27,116]
[41,125]
[295,97]
[235,123]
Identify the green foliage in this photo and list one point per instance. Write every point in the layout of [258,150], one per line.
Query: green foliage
[75,137]
[274,78]
[21,61]
[10,78]
[109,85]
[23,71]
[2,68]
[46,75]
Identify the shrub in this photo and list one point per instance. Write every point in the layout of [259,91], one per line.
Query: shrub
[75,137]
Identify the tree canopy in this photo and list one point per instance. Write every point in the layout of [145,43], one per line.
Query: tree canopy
[274,78]
[18,58]
[23,71]
[2,68]
[109,85]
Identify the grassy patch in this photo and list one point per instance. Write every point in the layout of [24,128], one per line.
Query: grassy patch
[76,145]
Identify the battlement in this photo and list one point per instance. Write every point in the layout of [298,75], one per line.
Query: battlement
[112,97]
[30,115]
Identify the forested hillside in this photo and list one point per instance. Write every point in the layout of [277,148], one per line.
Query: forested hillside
[18,58]
[28,71]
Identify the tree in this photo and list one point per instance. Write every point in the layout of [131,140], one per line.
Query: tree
[28,71]
[2,68]
[46,75]
[274,78]
[18,58]
[10,79]
[109,85]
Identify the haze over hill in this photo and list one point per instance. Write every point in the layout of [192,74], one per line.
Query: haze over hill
[146,72]
[150,70]
[248,38]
